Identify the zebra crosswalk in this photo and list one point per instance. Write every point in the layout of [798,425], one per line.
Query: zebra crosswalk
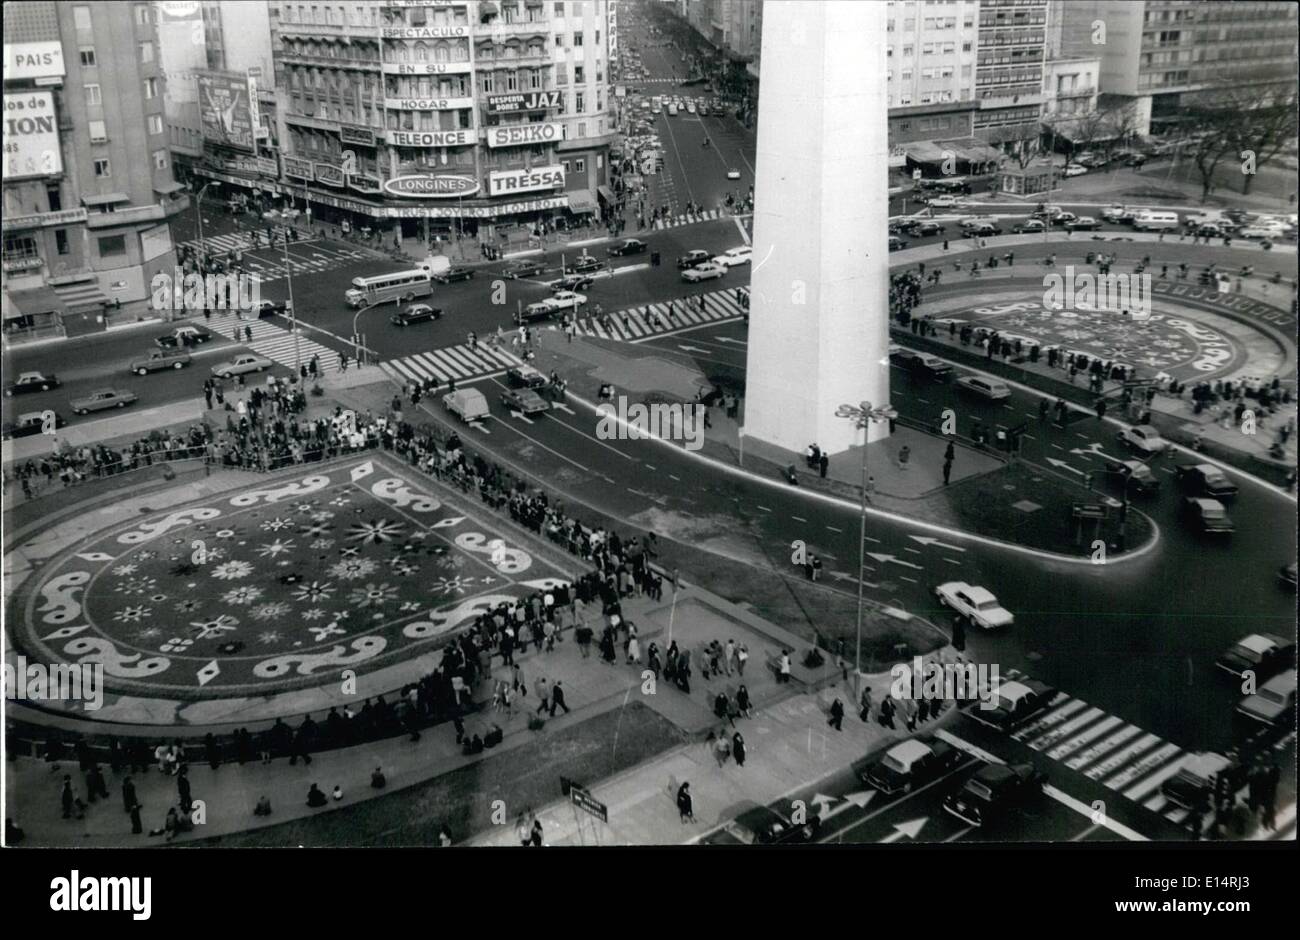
[688,218]
[272,341]
[632,324]
[302,260]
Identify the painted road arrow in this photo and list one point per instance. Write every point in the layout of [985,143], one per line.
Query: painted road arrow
[930,540]
[691,348]
[911,829]
[897,561]
[728,339]
[519,416]
[1062,465]
[851,800]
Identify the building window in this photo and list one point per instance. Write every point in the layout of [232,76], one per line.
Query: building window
[146,52]
[19,246]
[578,75]
[88,57]
[103,168]
[559,42]
[61,241]
[582,131]
[55,197]
[92,96]
[559,9]
[577,39]
[81,17]
[160,159]
[112,245]
[579,102]
[141,14]
[150,88]
[155,124]
[579,164]
[98,133]
[564,164]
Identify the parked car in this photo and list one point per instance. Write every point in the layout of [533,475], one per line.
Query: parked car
[572,282]
[585,265]
[525,267]
[943,202]
[1029,227]
[765,826]
[1074,169]
[417,313]
[1274,703]
[1064,218]
[563,300]
[734,256]
[1205,479]
[1118,214]
[1083,223]
[975,603]
[1261,654]
[923,228]
[1136,474]
[922,364]
[896,243]
[1144,438]
[190,334]
[525,376]
[629,246]
[457,273]
[29,423]
[993,790]
[1208,516]
[1270,232]
[693,257]
[704,272]
[1013,703]
[991,389]
[269,308]
[910,764]
[32,382]
[103,399]
[1192,788]
[155,360]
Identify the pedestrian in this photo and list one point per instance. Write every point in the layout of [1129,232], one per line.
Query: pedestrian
[864,712]
[743,704]
[742,657]
[67,797]
[128,794]
[783,667]
[886,716]
[904,454]
[823,463]
[947,470]
[836,719]
[685,806]
[557,698]
[137,827]
[738,749]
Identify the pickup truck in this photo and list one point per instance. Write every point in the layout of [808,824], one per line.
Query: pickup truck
[159,359]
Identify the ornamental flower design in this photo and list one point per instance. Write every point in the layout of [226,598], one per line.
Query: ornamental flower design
[304,508]
[187,606]
[373,595]
[276,524]
[315,592]
[214,628]
[402,568]
[322,544]
[341,500]
[351,569]
[268,637]
[232,570]
[314,614]
[451,585]
[272,549]
[123,570]
[145,555]
[132,614]
[242,595]
[372,533]
[322,515]
[148,633]
[315,530]
[137,586]
[271,611]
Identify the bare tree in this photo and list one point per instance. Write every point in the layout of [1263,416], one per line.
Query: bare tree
[1265,122]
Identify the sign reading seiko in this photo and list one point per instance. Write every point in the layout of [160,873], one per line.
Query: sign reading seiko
[432,187]
[525,101]
[506,182]
[462,138]
[524,135]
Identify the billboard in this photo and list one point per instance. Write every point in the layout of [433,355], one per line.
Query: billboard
[226,109]
[24,60]
[432,187]
[524,135]
[31,136]
[525,101]
[505,182]
[155,241]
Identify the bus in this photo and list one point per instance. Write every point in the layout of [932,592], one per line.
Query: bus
[397,286]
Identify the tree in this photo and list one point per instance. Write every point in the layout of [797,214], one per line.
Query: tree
[1264,122]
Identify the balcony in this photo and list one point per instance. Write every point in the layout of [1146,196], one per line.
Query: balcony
[293,28]
[500,32]
[327,61]
[509,61]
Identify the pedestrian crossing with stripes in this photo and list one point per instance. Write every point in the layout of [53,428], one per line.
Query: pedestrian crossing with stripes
[271,269]
[688,218]
[632,324]
[272,341]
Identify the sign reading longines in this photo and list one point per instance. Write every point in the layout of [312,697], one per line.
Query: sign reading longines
[505,182]
[524,135]
[525,101]
[432,187]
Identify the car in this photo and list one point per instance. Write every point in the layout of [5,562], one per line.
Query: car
[923,228]
[29,423]
[734,256]
[1274,703]
[188,335]
[1118,214]
[704,272]
[703,110]
[765,826]
[1083,223]
[566,300]
[896,243]
[1047,212]
[525,401]
[1193,786]
[922,364]
[942,202]
[733,174]
[155,360]
[690,107]
[1064,219]
[571,282]
[992,791]
[1270,232]
[32,382]
[1013,703]
[1135,159]
[585,265]
[458,273]
[910,764]
[1029,227]
[542,309]
[980,230]
[1261,654]
[524,268]
[1144,438]
[1074,169]
[1136,474]
[269,308]
[416,313]
[1212,230]
[1208,516]
[525,376]
[102,399]
[991,389]
[244,362]
[974,221]
[629,246]
[975,603]
[1205,479]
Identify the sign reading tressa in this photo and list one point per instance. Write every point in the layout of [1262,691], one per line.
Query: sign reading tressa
[518,135]
[525,101]
[432,187]
[505,182]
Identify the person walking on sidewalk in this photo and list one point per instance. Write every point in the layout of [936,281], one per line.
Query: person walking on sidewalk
[738,749]
[836,719]
[864,710]
[743,705]
[783,667]
[887,713]
[685,805]
[557,699]
[742,657]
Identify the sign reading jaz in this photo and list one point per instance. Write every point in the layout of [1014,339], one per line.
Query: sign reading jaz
[432,187]
[505,182]
[524,101]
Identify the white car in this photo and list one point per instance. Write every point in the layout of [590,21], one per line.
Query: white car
[704,272]
[690,107]
[733,174]
[991,389]
[246,362]
[734,256]
[1074,169]
[943,202]
[1259,230]
[975,603]
[1145,438]
[566,300]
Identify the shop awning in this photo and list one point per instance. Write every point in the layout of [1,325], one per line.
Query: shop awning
[606,194]
[966,149]
[105,200]
[32,302]
[169,187]
[582,201]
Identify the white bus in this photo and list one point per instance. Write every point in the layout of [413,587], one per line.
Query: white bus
[399,286]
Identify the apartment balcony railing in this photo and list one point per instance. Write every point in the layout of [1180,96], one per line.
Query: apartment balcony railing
[499,32]
[332,62]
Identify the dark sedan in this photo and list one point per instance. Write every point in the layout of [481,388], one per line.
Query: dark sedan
[31,423]
[765,826]
[585,265]
[1205,479]
[454,274]
[527,268]
[1261,654]
[32,382]
[993,791]
[629,246]
[1207,516]
[1013,704]
[572,282]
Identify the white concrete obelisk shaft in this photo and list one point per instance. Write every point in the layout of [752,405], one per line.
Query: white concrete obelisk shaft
[819,318]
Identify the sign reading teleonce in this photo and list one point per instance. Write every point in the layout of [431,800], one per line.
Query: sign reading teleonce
[524,135]
[506,182]
[431,138]
[525,101]
[432,187]
[31,136]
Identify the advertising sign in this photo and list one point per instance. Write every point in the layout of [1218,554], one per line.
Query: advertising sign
[525,135]
[506,182]
[31,136]
[329,174]
[298,168]
[365,183]
[226,109]
[24,60]
[425,32]
[428,104]
[155,241]
[432,187]
[525,101]
[362,136]
[431,138]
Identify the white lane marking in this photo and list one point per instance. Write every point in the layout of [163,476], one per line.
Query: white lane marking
[906,578]
[833,529]
[914,551]
[952,561]
[1083,809]
[871,540]
[764,508]
[801,519]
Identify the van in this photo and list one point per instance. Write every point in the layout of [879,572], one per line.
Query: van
[468,404]
[1150,220]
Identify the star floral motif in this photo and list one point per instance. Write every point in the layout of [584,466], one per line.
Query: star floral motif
[451,585]
[271,611]
[137,586]
[342,499]
[242,595]
[351,552]
[314,592]
[276,524]
[372,533]
[132,614]
[123,570]
[373,595]
[187,606]
[322,543]
[351,569]
[315,530]
[314,614]
[304,508]
[146,555]
[148,633]
[214,628]
[330,629]
[322,515]
[272,549]
[232,570]
[402,568]
[409,607]
[268,637]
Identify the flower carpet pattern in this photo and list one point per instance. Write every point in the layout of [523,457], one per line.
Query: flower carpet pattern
[281,585]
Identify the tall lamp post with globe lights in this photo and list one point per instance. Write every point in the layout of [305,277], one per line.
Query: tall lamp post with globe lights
[863,416]
[287,216]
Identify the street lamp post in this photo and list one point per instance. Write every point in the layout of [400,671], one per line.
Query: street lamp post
[287,216]
[198,203]
[863,416]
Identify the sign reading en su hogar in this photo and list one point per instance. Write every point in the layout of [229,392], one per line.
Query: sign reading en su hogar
[31,136]
[525,135]
[525,101]
[227,112]
[505,182]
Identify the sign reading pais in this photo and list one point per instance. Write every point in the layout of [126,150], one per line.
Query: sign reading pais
[505,182]
[432,187]
[25,60]
[525,101]
[525,135]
